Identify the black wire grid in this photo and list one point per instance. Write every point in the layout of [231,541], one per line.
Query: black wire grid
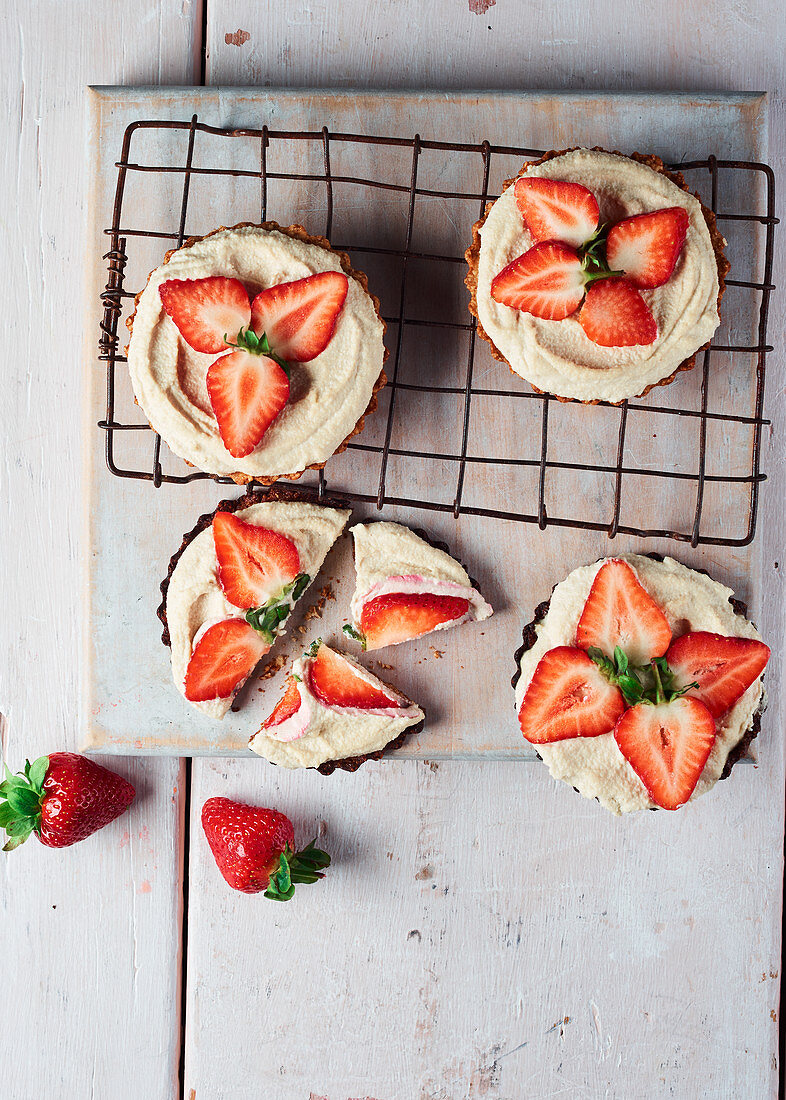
[624,473]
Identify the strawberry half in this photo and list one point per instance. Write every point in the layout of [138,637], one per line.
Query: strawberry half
[223,659]
[724,668]
[615,315]
[253,849]
[247,392]
[254,563]
[204,310]
[646,247]
[401,616]
[546,281]
[568,696]
[336,682]
[299,318]
[620,612]
[555,210]
[667,745]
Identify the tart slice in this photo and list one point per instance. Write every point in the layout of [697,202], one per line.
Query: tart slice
[333,714]
[406,587]
[233,584]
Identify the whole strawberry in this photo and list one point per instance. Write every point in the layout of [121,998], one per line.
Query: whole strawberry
[62,798]
[254,849]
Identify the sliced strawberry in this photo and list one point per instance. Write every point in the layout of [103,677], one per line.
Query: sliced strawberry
[299,318]
[224,657]
[336,682]
[667,745]
[254,563]
[400,616]
[206,309]
[555,210]
[546,281]
[247,392]
[724,668]
[620,612]
[568,696]
[288,704]
[615,315]
[646,247]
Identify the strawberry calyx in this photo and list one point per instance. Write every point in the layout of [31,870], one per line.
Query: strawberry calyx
[355,635]
[652,684]
[247,340]
[268,618]
[21,801]
[295,868]
[592,253]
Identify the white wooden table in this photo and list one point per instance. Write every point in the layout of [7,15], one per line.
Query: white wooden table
[483,932]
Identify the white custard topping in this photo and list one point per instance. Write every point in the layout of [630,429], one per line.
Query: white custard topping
[690,601]
[328,395]
[391,558]
[195,599]
[557,356]
[333,733]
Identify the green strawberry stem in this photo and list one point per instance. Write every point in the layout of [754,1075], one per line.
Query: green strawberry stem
[658,687]
[593,258]
[354,634]
[247,340]
[296,868]
[21,801]
[267,620]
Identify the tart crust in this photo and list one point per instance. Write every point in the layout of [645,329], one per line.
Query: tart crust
[472,256]
[298,233]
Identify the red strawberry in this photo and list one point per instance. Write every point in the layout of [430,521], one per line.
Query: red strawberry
[223,659]
[288,704]
[254,563]
[620,612]
[724,668]
[547,281]
[554,210]
[247,392]
[646,246]
[62,798]
[615,315]
[336,682]
[206,309]
[299,318]
[667,745]
[400,616]
[253,849]
[568,696]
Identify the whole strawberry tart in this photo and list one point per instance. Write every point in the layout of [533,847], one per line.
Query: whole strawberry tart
[334,714]
[640,682]
[256,351]
[233,584]
[596,276]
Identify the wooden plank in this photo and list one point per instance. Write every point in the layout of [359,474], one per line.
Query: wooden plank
[89,937]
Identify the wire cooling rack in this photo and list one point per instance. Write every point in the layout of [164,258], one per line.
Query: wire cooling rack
[720,424]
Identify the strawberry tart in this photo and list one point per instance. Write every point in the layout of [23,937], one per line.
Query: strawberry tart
[334,714]
[596,276]
[407,587]
[233,584]
[639,682]
[256,351]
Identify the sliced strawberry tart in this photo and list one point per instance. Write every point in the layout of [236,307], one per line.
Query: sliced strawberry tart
[233,584]
[596,276]
[334,714]
[407,587]
[640,682]
[256,351]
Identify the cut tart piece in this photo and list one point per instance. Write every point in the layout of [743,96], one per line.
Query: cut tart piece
[406,587]
[233,583]
[256,351]
[333,714]
[596,276]
[675,647]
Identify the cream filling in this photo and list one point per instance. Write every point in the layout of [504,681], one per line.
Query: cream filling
[690,601]
[391,558]
[328,395]
[557,356]
[195,599]
[334,733]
